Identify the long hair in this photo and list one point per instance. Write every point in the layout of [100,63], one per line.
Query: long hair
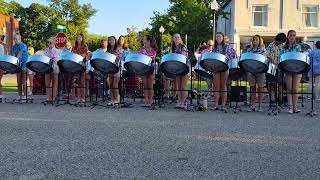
[286,46]
[110,50]
[152,41]
[83,42]
[125,44]
[261,44]
[173,45]
[216,42]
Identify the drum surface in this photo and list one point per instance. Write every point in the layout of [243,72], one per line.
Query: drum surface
[71,62]
[39,64]
[294,62]
[104,62]
[174,65]
[138,63]
[10,64]
[254,63]
[214,62]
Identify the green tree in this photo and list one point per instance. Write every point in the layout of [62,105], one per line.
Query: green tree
[38,23]
[93,41]
[9,8]
[76,16]
[191,17]
[133,38]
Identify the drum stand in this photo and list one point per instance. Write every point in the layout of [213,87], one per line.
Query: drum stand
[274,109]
[312,113]
[123,104]
[68,89]
[158,90]
[236,108]
[97,102]
[21,100]
[190,107]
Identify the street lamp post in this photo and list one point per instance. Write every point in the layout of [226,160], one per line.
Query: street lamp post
[214,7]
[161,30]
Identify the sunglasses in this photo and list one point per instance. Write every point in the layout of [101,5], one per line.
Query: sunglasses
[210,45]
[49,42]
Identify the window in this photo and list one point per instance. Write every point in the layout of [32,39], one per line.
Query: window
[310,16]
[260,15]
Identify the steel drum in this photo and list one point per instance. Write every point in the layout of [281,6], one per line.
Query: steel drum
[104,62]
[214,62]
[39,64]
[174,65]
[202,72]
[272,70]
[138,63]
[294,62]
[254,63]
[10,64]
[71,62]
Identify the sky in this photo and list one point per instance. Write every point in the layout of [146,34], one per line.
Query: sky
[115,16]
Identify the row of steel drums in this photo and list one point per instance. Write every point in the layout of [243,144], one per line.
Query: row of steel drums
[172,64]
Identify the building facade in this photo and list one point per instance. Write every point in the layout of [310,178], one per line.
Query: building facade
[246,18]
[8,27]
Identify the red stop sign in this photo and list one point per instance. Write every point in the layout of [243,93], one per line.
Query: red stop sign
[61,40]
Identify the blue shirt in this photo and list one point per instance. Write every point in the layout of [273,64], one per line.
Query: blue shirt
[315,57]
[24,49]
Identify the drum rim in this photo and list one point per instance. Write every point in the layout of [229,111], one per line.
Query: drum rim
[28,64]
[241,64]
[282,63]
[17,68]
[225,68]
[77,64]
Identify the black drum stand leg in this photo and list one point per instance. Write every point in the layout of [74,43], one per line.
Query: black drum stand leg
[312,113]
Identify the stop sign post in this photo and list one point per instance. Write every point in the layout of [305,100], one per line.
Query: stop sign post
[61,40]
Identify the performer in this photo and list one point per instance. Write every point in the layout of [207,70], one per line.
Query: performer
[2,52]
[206,49]
[292,80]
[66,80]
[122,49]
[103,45]
[20,50]
[81,48]
[51,79]
[257,46]
[114,78]
[273,53]
[30,73]
[177,46]
[221,78]
[150,49]
[315,57]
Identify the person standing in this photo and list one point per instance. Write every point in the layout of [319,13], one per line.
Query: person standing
[20,50]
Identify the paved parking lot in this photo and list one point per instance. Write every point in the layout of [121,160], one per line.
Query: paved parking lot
[47,142]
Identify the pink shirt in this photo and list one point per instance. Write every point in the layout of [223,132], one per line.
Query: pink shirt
[151,53]
[52,53]
[206,51]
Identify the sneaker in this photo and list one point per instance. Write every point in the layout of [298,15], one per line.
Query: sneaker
[260,109]
[297,111]
[251,109]
[215,108]
[30,93]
